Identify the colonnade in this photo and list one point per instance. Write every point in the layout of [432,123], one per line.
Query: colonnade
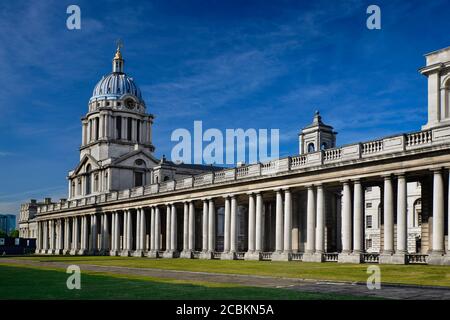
[153,230]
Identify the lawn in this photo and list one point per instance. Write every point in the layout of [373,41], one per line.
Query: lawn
[34,283]
[401,274]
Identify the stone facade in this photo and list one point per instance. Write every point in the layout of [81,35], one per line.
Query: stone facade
[309,207]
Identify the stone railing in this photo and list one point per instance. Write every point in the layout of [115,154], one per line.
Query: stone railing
[371,257]
[240,255]
[416,258]
[217,255]
[331,257]
[297,256]
[351,152]
[266,255]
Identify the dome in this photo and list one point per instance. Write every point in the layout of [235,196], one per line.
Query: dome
[116,85]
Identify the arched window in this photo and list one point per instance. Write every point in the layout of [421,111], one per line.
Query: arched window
[311,147]
[119,127]
[166,178]
[96,182]
[323,146]
[88,179]
[72,189]
[417,212]
[79,187]
[447,97]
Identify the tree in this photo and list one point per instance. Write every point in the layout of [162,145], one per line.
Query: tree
[14,233]
[2,233]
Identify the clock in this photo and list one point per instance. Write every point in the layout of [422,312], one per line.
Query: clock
[129,103]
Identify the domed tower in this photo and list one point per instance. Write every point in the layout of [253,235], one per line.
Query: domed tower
[317,136]
[116,137]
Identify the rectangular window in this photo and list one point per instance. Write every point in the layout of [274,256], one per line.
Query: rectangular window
[368,243]
[368,204]
[138,179]
[138,129]
[130,128]
[368,222]
[97,128]
[119,127]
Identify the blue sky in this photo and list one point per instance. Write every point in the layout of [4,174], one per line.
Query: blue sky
[231,64]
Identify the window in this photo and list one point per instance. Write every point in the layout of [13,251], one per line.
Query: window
[323,146]
[311,147]
[97,128]
[369,222]
[88,179]
[119,127]
[138,129]
[368,205]
[368,243]
[95,182]
[138,179]
[369,189]
[79,187]
[166,178]
[129,128]
[72,189]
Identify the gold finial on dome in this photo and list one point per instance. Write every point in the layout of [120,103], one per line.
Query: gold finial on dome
[119,46]
[118,60]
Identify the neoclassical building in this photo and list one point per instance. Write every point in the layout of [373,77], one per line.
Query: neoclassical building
[385,200]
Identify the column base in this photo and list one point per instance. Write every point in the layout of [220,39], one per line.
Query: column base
[125,253]
[58,252]
[313,257]
[138,253]
[437,258]
[50,251]
[228,256]
[255,256]
[187,254]
[153,254]
[114,253]
[81,252]
[350,257]
[447,259]
[73,252]
[104,252]
[170,254]
[281,256]
[207,255]
[66,252]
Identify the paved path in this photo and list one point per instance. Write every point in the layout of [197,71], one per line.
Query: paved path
[315,286]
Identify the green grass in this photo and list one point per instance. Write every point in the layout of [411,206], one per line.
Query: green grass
[33,283]
[401,274]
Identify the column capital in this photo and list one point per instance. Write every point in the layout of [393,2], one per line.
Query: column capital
[356,180]
[436,169]
[400,174]
[287,189]
[387,176]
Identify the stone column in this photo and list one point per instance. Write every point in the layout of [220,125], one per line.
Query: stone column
[227,223]
[259,226]
[129,231]
[157,229]
[138,251]
[211,226]
[402,205]
[347,218]
[388,216]
[358,217]
[185,228]
[279,222]
[320,222]
[251,222]
[61,236]
[105,227]
[38,237]
[436,256]
[168,219]
[74,247]
[113,234]
[152,230]
[310,222]
[191,226]
[45,236]
[94,247]
[232,224]
[143,231]
[51,236]
[173,229]
[66,249]
[205,226]
[287,223]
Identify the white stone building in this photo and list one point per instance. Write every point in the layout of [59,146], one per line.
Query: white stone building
[384,200]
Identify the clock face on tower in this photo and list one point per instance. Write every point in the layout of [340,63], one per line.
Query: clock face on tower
[129,103]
